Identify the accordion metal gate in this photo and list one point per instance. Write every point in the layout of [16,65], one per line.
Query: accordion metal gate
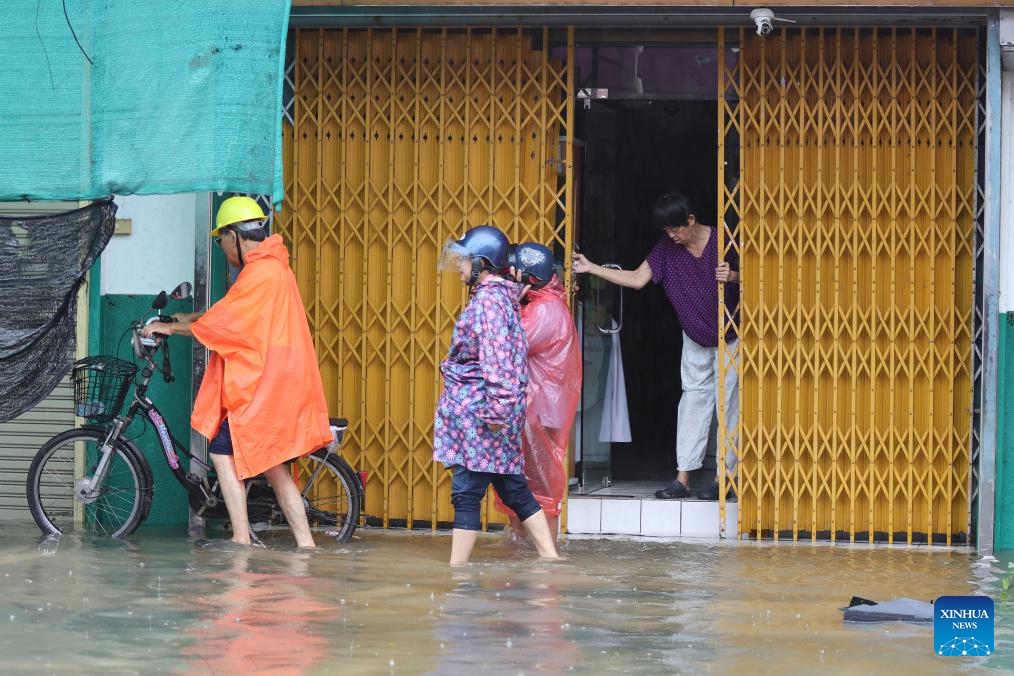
[398,139]
[851,186]
[854,202]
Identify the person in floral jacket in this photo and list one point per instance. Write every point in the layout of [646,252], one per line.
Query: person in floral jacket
[480,414]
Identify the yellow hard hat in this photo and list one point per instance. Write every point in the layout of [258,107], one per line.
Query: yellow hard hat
[237,210]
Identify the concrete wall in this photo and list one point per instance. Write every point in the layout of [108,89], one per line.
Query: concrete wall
[159,251]
[156,255]
[1003,525]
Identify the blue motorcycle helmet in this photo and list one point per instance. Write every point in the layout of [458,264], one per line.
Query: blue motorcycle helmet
[534,263]
[486,246]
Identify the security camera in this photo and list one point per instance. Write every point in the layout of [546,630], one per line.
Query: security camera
[764,20]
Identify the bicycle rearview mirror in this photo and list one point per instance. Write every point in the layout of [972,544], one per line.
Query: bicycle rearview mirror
[160,301]
[182,291]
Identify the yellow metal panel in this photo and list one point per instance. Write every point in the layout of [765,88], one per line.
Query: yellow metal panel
[402,139]
[853,209]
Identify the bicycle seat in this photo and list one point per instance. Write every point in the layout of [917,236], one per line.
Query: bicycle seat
[338,422]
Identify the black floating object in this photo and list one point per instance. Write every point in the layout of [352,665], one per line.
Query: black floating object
[860,601]
[898,610]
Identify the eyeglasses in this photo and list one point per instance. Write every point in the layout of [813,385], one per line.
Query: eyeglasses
[218,238]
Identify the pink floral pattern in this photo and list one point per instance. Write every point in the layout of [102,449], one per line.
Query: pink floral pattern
[485,377]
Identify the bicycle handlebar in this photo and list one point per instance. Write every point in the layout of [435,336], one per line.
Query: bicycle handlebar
[145,347]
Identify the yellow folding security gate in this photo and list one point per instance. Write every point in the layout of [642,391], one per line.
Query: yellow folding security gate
[853,204]
[400,139]
[847,180]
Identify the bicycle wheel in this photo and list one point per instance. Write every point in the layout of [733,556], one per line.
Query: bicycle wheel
[57,491]
[330,493]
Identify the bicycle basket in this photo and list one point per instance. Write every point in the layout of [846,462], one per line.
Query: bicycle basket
[100,385]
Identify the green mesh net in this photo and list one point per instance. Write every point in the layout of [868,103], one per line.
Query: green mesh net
[124,97]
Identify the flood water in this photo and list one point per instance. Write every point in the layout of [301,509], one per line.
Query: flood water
[388,603]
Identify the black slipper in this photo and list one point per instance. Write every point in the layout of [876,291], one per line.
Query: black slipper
[673,491]
[709,493]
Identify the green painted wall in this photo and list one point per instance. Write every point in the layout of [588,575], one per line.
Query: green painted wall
[1003,528]
[169,506]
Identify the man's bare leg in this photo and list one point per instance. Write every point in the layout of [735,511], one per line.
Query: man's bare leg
[462,543]
[538,529]
[291,503]
[234,492]
[683,478]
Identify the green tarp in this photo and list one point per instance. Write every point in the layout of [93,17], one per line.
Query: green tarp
[159,97]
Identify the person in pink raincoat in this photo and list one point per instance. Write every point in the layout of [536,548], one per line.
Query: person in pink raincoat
[554,381]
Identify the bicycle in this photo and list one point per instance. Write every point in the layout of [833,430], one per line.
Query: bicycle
[94,479]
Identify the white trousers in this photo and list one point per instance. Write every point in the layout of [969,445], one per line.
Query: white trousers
[699,370]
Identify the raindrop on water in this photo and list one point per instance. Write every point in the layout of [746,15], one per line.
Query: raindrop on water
[510,644]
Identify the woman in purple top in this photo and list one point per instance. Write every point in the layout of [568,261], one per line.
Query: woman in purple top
[685,262]
[477,426]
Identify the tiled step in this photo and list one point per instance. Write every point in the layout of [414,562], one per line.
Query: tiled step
[632,514]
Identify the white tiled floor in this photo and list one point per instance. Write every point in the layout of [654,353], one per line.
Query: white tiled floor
[584,516]
[700,519]
[630,508]
[661,517]
[620,515]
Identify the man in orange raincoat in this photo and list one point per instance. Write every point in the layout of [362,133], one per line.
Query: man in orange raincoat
[554,380]
[262,400]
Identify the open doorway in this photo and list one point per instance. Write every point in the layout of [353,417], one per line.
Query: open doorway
[634,150]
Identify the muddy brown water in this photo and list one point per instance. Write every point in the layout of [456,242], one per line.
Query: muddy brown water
[388,603]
